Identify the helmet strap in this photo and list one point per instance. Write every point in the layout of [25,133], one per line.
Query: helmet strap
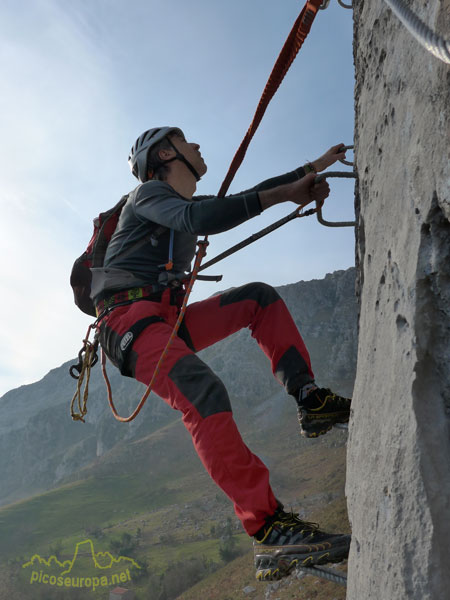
[179,156]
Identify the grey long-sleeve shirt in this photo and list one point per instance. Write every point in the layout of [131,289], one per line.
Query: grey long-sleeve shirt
[156,203]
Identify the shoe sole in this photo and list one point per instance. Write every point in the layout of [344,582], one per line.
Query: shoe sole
[312,426]
[272,567]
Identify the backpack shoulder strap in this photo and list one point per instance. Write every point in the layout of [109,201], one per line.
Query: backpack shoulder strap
[106,223]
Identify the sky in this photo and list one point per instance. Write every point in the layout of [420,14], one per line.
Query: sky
[82,80]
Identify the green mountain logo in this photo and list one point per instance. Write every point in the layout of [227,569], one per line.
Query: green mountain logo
[101,560]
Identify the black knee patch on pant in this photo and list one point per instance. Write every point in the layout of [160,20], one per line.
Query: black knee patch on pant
[184,334]
[292,371]
[200,386]
[261,293]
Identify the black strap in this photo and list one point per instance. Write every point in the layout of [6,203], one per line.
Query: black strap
[210,277]
[152,237]
[179,156]
[129,337]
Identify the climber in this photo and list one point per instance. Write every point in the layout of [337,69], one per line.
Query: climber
[138,294]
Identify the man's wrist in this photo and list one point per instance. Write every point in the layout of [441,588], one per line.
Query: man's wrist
[274,196]
[309,167]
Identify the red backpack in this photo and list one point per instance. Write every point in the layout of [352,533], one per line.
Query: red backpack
[94,255]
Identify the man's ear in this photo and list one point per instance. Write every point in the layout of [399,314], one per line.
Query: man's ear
[166,153]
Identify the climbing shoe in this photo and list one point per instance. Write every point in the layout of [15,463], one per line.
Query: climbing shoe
[320,410]
[286,542]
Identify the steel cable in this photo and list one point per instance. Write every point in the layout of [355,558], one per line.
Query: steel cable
[325,573]
[437,45]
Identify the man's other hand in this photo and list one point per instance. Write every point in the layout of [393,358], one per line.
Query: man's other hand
[329,158]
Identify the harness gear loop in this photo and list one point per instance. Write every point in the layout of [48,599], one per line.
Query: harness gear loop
[84,367]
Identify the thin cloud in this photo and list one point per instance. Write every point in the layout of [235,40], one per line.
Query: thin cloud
[81,80]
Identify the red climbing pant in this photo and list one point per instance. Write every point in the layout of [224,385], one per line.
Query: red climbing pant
[188,384]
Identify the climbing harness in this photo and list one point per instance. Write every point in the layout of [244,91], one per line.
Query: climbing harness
[199,256]
[287,55]
[437,45]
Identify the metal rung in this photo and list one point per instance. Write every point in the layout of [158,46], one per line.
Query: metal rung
[322,221]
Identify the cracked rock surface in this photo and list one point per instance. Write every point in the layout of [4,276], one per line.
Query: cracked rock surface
[398,476]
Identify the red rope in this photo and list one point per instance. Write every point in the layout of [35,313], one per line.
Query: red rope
[287,55]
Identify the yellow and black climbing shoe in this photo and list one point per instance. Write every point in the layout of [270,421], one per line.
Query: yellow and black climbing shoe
[320,410]
[286,542]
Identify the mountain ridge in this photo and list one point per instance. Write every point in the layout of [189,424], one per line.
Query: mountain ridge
[53,448]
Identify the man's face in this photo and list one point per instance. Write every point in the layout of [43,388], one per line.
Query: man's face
[191,151]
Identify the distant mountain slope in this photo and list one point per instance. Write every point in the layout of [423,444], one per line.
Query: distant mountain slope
[41,447]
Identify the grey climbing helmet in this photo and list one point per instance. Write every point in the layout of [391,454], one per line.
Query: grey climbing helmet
[138,158]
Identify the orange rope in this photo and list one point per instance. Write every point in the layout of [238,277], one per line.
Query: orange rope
[198,259]
[287,55]
[289,51]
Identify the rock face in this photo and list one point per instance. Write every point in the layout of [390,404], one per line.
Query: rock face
[41,447]
[398,477]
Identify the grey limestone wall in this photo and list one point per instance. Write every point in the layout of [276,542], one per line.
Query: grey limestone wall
[398,479]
